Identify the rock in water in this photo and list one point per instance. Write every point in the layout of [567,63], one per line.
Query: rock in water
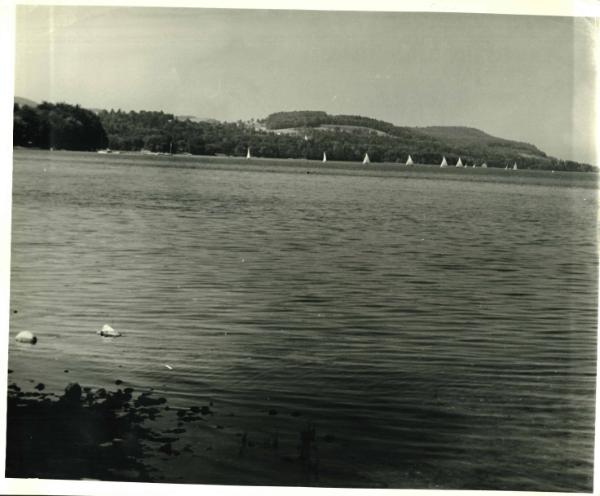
[26,337]
[108,331]
[72,393]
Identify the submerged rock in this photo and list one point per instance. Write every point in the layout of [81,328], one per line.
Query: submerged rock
[108,331]
[26,337]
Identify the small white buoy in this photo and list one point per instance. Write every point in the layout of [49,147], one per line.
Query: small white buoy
[168,366]
[26,337]
[108,331]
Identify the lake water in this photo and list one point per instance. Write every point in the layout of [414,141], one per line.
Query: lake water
[438,327]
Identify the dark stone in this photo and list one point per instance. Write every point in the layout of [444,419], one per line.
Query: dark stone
[66,371]
[205,410]
[195,409]
[72,393]
[101,393]
[10,371]
[118,382]
[40,386]
[145,399]
[166,448]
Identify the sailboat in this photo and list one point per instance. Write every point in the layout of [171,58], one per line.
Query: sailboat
[515,166]
[366,159]
[248,154]
[324,157]
[444,163]
[409,161]
[474,165]
[459,163]
[484,165]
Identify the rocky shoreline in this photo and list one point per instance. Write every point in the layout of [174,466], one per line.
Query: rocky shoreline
[136,436]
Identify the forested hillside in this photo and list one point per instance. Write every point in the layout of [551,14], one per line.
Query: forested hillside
[303,134]
[60,126]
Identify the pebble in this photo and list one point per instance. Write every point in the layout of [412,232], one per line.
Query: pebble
[26,337]
[108,331]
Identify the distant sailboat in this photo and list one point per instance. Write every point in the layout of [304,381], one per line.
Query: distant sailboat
[515,166]
[444,163]
[459,163]
[409,161]
[248,154]
[474,165]
[324,157]
[484,165]
[366,159]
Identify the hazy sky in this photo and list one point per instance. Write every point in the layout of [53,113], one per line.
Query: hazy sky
[519,77]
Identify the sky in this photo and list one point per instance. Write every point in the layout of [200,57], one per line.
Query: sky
[528,78]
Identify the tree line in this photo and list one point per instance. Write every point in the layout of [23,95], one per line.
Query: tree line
[64,126]
[59,126]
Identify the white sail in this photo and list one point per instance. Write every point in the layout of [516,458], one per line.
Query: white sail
[366,159]
[474,166]
[444,163]
[409,161]
[324,157]
[515,166]
[248,153]
[506,168]
[459,163]
[484,165]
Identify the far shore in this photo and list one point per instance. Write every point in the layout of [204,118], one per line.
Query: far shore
[259,159]
[316,167]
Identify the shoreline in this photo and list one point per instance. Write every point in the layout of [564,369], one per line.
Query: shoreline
[317,168]
[129,435]
[301,161]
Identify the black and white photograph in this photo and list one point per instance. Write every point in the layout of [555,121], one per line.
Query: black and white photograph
[302,247]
